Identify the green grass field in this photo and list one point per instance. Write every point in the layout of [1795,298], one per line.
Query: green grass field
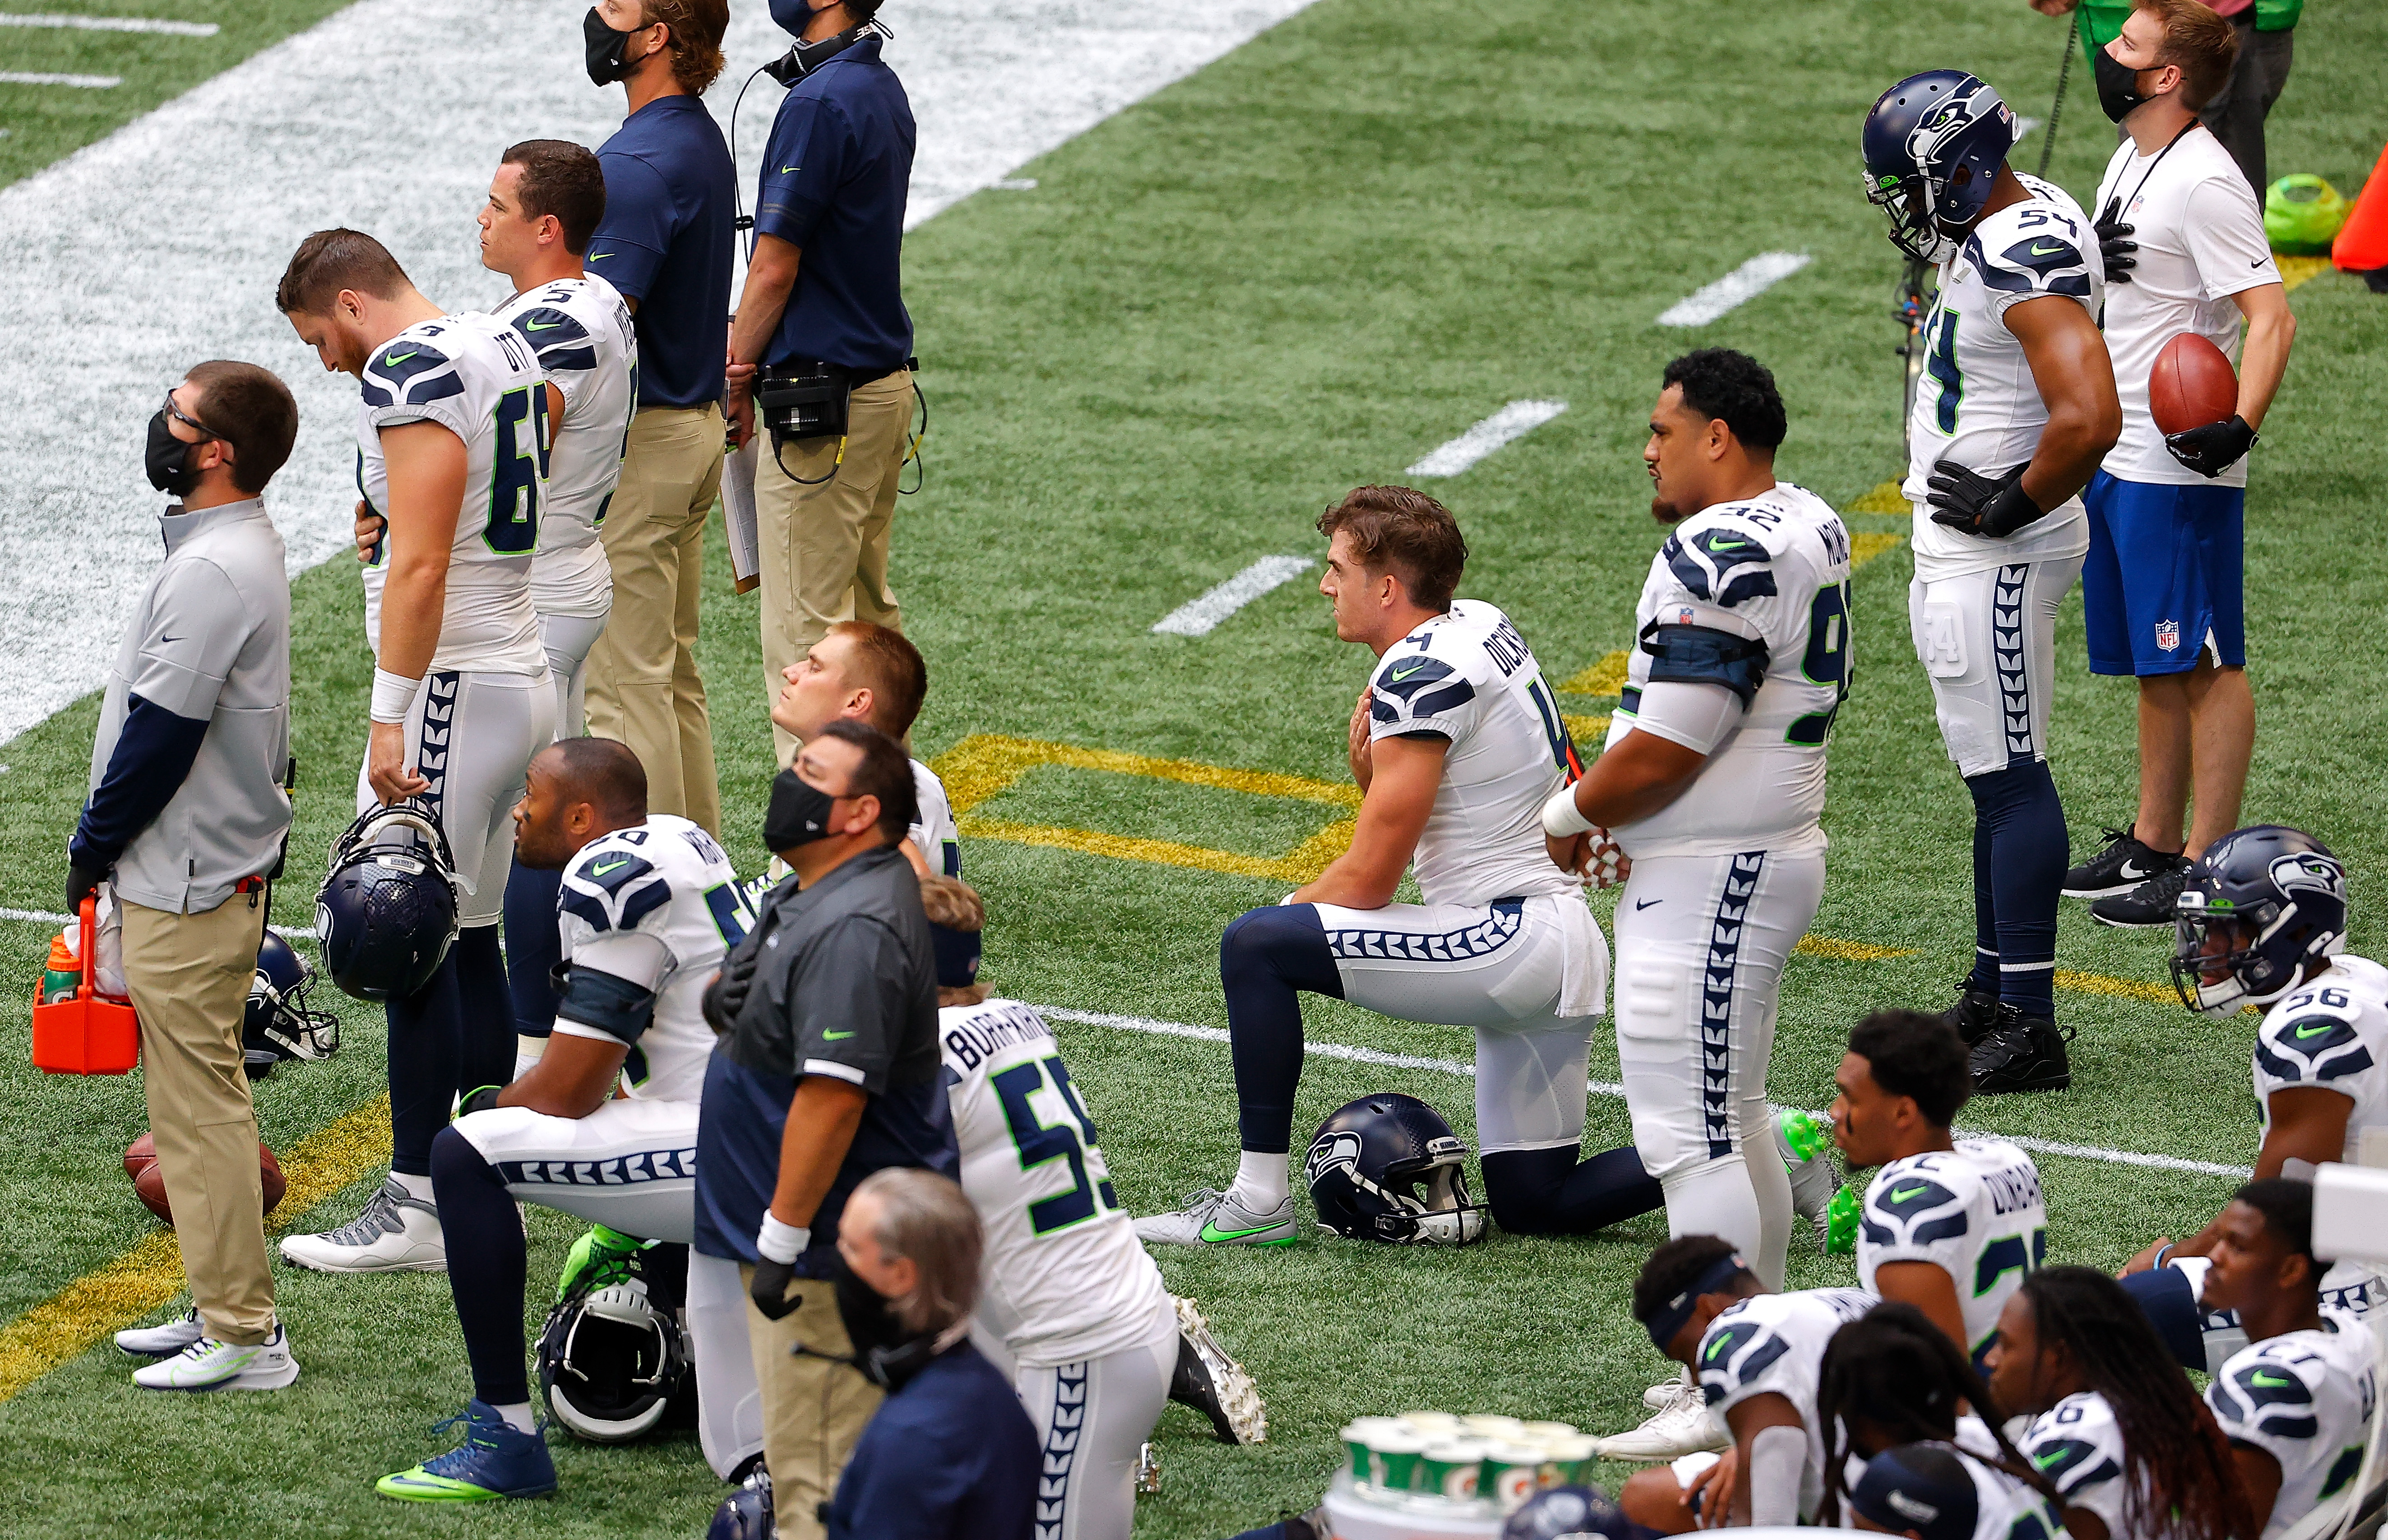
[1295,271]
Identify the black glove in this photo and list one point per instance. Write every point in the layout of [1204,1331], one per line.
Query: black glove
[2115,248]
[1996,506]
[726,995]
[2211,449]
[771,1287]
[479,1100]
[82,879]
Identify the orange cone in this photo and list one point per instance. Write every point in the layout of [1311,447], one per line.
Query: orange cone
[2362,243]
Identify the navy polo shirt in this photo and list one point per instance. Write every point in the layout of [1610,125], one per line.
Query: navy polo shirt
[834,178]
[952,1456]
[666,241]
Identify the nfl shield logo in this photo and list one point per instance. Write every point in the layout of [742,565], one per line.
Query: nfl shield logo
[1683,614]
[2168,636]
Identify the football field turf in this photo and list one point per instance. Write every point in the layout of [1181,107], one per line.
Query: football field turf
[1298,270]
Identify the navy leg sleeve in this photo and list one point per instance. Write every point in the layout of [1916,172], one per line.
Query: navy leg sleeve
[1265,957]
[2165,1296]
[1985,975]
[2027,857]
[427,1040]
[487,1011]
[485,1267]
[533,947]
[1550,1192]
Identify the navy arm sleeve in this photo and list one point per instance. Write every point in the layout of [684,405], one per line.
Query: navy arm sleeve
[153,756]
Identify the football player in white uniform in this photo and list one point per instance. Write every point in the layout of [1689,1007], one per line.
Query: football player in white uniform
[1934,1491]
[873,673]
[604,1124]
[2015,409]
[2296,1402]
[1950,1225]
[1456,745]
[453,439]
[2262,917]
[544,204]
[2114,1423]
[1757,1356]
[1712,781]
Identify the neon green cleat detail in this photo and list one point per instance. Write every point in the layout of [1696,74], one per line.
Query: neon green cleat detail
[1841,1221]
[1807,1135]
[597,1259]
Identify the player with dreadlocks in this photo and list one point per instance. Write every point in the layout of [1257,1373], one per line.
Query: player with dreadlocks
[1893,1378]
[2134,1453]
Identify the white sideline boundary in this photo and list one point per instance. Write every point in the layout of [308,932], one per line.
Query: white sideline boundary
[1202,617]
[1610,1088]
[108,23]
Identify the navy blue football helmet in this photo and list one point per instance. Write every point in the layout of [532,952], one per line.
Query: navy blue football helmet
[2259,905]
[746,1514]
[610,1362]
[1568,1513]
[1386,1167]
[1933,144]
[280,1022]
[388,911]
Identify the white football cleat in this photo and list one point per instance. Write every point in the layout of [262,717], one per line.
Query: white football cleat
[165,1338]
[1664,1393]
[1213,1383]
[1684,1426]
[1215,1218]
[394,1234]
[209,1365]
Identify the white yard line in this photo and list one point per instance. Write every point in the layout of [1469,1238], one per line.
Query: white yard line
[93,334]
[1014,183]
[86,83]
[1610,1089]
[2025,125]
[1513,421]
[43,917]
[109,24]
[1745,283]
[1202,617]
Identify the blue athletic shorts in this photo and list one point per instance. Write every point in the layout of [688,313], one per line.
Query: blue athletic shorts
[2163,582]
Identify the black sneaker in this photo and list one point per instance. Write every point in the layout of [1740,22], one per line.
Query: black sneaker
[2021,1053]
[1975,1014]
[2122,865]
[2149,904]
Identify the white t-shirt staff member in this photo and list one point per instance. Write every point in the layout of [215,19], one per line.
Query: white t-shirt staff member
[2182,237]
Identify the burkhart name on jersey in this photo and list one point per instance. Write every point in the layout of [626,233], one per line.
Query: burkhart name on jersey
[1774,1343]
[582,333]
[2077,1444]
[1467,677]
[658,906]
[1978,403]
[2331,1034]
[477,378]
[1974,1212]
[1066,1279]
[1773,568]
[2302,1397]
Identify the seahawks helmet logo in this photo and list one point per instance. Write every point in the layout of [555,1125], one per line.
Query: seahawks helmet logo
[2306,872]
[1331,1152]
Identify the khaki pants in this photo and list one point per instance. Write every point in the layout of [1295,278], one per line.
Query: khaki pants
[189,976]
[642,684]
[824,548]
[813,1411]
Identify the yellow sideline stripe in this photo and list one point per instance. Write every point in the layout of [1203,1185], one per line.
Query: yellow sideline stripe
[149,1273]
[1884,499]
[2296,269]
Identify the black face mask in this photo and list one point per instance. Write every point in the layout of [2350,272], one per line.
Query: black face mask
[886,1355]
[2118,85]
[798,813]
[168,459]
[604,48]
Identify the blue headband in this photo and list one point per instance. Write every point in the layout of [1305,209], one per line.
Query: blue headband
[958,954]
[1669,1318]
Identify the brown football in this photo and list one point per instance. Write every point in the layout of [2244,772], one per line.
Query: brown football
[150,1183]
[2191,385]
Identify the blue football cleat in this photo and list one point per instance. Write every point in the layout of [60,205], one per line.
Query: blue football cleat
[495,1460]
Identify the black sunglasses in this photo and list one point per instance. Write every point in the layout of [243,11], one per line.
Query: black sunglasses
[202,430]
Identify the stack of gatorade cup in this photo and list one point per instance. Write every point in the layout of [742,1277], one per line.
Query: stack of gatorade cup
[1482,1462]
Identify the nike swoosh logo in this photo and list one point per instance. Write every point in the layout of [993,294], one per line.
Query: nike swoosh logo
[1400,674]
[2041,1462]
[2259,261]
[1714,1348]
[2040,250]
[1728,545]
[163,640]
[1900,1194]
[539,326]
[602,256]
[2131,872]
[833,1037]
[1640,904]
[785,170]
[2269,1381]
[602,868]
[391,361]
[1213,1233]
[2303,1031]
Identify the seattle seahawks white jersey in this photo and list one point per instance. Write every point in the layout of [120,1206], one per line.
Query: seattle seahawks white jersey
[2006,1508]
[1774,1343]
[2331,1033]
[2077,1444]
[477,378]
[2302,1399]
[1773,569]
[1978,403]
[1066,1278]
[581,331]
[932,833]
[656,905]
[1467,676]
[1974,1212]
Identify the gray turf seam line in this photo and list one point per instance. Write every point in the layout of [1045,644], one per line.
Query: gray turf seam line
[1512,422]
[1610,1088]
[1202,617]
[1744,283]
[108,23]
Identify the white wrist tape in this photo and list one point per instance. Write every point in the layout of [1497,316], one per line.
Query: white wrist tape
[1561,818]
[782,1243]
[393,696]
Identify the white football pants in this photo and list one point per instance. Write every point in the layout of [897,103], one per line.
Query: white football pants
[728,1398]
[1987,641]
[1092,1419]
[568,638]
[471,736]
[1701,941]
[631,1163]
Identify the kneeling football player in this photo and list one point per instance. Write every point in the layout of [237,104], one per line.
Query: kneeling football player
[1455,744]
[648,910]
